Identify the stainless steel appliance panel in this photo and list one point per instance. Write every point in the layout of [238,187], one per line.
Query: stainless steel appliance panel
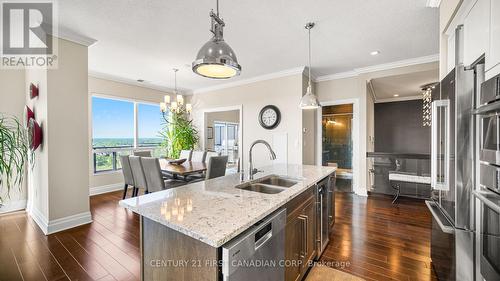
[256,253]
[442,244]
[490,138]
[322,225]
[464,148]
[490,91]
[447,197]
[489,234]
[490,177]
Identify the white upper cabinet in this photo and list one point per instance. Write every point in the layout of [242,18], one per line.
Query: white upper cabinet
[493,57]
[477,31]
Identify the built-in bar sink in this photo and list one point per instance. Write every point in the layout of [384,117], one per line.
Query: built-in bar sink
[277,181]
[261,188]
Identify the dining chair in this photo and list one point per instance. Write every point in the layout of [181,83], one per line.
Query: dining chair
[152,173]
[186,154]
[198,156]
[128,178]
[144,153]
[138,173]
[210,154]
[216,167]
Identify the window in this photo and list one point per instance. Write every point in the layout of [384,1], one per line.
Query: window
[149,118]
[113,130]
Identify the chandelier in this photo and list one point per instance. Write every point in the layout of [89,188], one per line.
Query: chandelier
[178,105]
[427,103]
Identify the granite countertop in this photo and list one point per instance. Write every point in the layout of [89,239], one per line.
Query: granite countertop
[215,212]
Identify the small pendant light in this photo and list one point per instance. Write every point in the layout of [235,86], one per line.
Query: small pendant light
[309,100]
[216,59]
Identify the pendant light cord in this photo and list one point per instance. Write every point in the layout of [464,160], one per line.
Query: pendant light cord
[217,7]
[175,79]
[309,56]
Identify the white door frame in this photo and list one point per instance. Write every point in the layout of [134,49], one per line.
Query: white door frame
[356,164]
[240,129]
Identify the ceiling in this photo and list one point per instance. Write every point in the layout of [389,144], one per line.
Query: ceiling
[406,86]
[146,39]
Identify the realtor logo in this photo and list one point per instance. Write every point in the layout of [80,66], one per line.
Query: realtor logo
[27,34]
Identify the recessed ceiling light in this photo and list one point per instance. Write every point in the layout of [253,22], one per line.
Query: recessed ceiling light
[396,95]
[140,80]
[374,53]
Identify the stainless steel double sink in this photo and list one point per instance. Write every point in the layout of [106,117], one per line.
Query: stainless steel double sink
[271,184]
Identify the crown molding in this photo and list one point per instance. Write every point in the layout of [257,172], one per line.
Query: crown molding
[274,75]
[379,67]
[74,37]
[128,81]
[62,32]
[399,99]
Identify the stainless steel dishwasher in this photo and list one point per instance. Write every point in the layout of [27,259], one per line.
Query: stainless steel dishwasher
[258,253]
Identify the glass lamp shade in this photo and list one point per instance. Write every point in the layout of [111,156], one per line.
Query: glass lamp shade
[180,99]
[173,106]
[216,60]
[166,99]
[309,100]
[163,107]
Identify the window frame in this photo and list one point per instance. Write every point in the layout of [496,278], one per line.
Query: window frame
[114,151]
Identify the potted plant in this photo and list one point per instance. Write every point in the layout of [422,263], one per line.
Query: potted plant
[13,154]
[178,132]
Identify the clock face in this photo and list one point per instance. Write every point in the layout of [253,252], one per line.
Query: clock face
[269,117]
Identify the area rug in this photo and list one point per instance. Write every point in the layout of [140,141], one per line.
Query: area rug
[325,273]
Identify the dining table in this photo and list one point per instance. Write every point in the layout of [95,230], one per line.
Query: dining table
[184,169]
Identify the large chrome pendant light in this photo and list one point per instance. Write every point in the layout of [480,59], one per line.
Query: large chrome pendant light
[216,59]
[309,100]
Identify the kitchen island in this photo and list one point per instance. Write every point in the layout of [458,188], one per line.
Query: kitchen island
[183,229]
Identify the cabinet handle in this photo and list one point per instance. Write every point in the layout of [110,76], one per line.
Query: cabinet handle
[304,229]
[303,243]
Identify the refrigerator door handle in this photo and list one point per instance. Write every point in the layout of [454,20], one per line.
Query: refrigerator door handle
[444,228]
[440,173]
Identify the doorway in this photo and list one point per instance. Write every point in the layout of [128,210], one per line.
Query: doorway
[222,134]
[337,142]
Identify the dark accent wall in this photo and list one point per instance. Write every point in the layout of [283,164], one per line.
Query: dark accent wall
[398,128]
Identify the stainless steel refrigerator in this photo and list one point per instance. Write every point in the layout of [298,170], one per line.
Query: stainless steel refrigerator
[453,170]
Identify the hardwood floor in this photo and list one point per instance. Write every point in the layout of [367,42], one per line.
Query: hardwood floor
[371,239]
[107,249]
[377,240]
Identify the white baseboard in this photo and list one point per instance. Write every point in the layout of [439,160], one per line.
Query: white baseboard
[105,188]
[13,206]
[40,219]
[69,222]
[53,226]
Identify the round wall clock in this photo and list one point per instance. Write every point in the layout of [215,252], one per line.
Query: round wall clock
[269,117]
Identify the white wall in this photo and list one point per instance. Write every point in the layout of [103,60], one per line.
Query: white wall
[283,92]
[12,102]
[58,183]
[351,90]
[308,127]
[103,87]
